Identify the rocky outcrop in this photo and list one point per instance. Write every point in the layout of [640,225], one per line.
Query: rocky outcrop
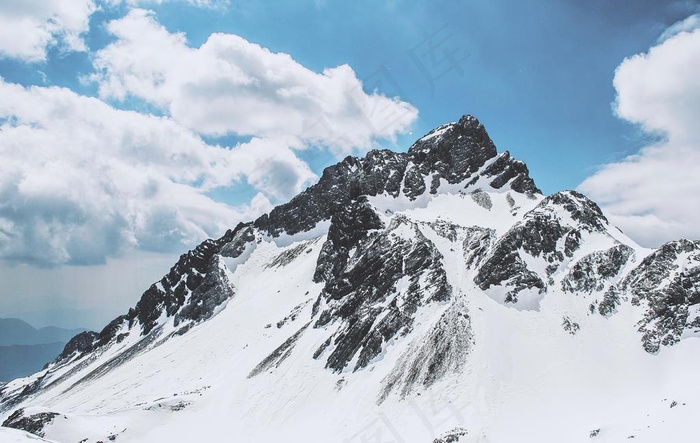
[442,351]
[79,345]
[544,235]
[373,294]
[34,423]
[593,271]
[667,282]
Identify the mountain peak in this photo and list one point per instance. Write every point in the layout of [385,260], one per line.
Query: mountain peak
[456,154]
[468,134]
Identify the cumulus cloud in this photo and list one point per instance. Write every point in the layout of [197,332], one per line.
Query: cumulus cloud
[652,195]
[29,27]
[230,85]
[81,181]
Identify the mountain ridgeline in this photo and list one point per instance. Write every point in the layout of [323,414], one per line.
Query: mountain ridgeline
[383,261]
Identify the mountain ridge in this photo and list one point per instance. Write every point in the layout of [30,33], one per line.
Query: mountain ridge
[397,272]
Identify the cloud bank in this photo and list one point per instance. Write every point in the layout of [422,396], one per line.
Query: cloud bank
[230,85]
[653,195]
[82,180]
[29,27]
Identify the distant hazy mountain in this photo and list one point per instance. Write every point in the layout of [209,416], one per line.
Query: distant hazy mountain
[64,317]
[14,331]
[21,360]
[25,349]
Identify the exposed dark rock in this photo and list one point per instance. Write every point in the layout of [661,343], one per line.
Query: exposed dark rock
[278,355]
[668,283]
[239,240]
[119,359]
[505,169]
[294,314]
[290,255]
[510,200]
[376,278]
[445,229]
[110,331]
[180,285]
[360,288]
[79,345]
[539,234]
[34,424]
[214,290]
[482,199]
[453,436]
[477,244]
[592,272]
[431,357]
[611,300]
[570,326]
[171,292]
[348,227]
[453,152]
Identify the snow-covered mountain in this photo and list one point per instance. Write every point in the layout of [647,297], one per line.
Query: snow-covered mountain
[428,296]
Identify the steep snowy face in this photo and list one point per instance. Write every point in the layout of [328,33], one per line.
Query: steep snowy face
[441,271]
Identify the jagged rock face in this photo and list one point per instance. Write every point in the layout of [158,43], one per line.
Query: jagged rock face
[505,169]
[79,345]
[477,243]
[592,272]
[453,152]
[190,292]
[543,235]
[34,424]
[214,290]
[175,289]
[668,283]
[194,286]
[374,284]
[348,226]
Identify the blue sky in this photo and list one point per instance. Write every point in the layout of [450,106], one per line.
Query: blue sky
[134,129]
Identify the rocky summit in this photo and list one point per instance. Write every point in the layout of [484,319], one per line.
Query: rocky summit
[432,295]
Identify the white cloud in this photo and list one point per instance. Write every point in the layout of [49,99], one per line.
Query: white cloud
[230,85]
[688,25]
[29,27]
[653,195]
[81,181]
